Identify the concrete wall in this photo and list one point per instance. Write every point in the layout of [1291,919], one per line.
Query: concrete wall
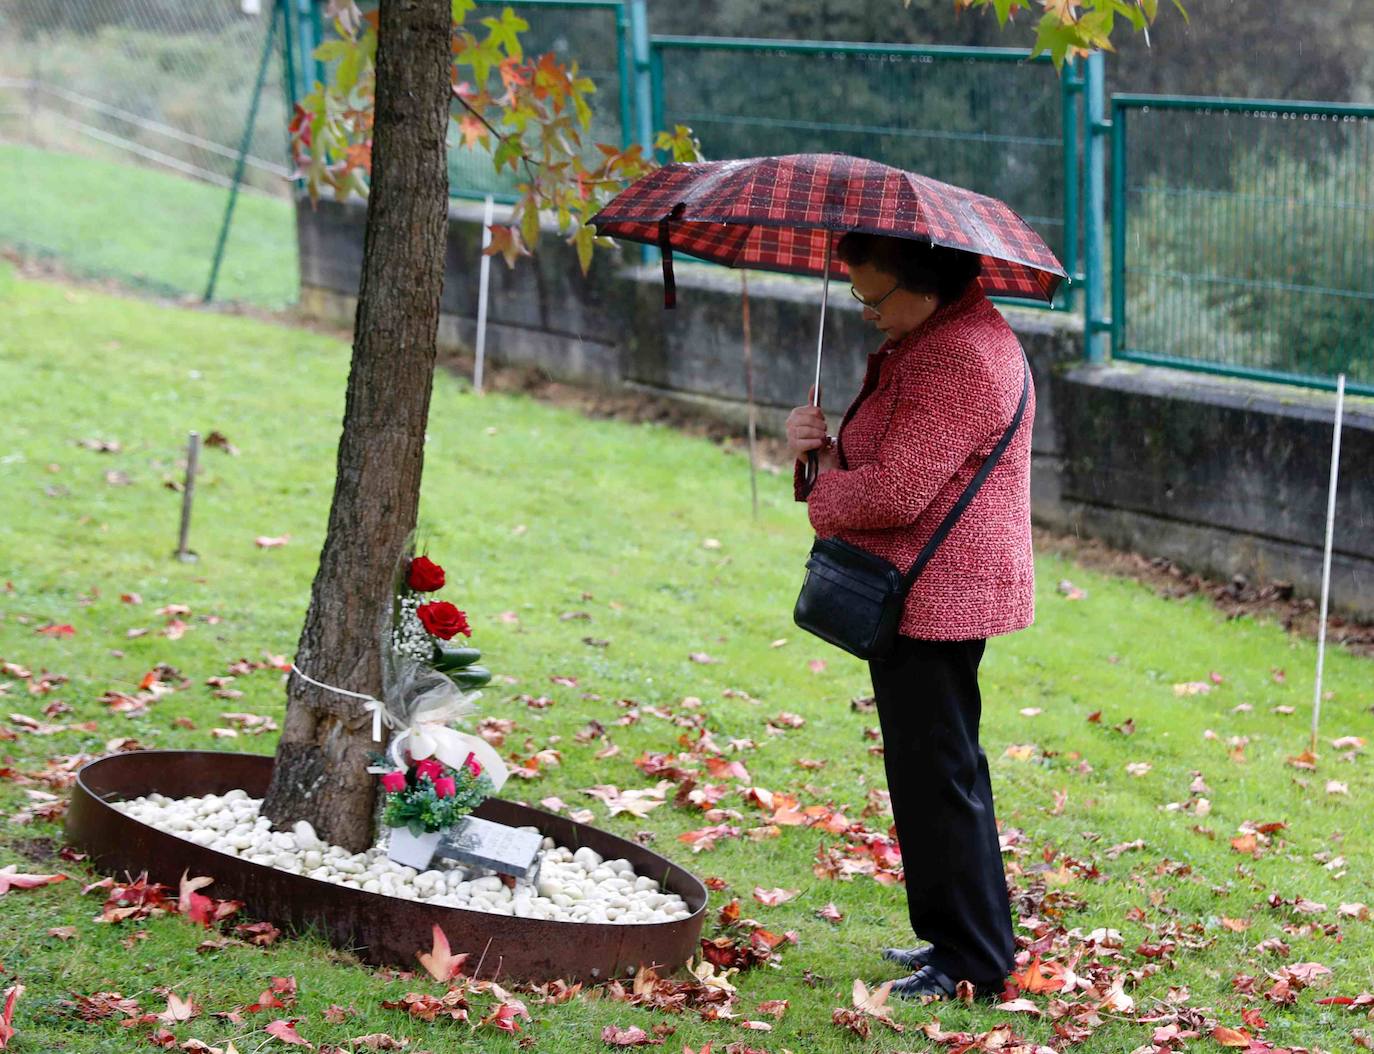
[1225,477]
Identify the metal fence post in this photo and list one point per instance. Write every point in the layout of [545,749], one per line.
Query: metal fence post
[1070,90]
[268,47]
[644,96]
[1096,325]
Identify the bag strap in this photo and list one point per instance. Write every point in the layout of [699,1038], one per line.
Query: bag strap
[974,485]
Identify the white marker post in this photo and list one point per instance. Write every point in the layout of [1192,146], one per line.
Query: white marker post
[1326,557]
[483,282]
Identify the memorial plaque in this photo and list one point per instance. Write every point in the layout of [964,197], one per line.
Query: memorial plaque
[494,846]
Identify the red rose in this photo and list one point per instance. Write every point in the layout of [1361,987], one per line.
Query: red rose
[473,765]
[444,787]
[443,620]
[393,782]
[429,769]
[425,576]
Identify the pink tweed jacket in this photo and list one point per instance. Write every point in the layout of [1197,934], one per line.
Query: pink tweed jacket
[931,409]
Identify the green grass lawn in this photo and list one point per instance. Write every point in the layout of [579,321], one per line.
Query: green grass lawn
[145,228]
[539,512]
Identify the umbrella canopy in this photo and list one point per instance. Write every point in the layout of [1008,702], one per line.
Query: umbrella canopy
[783,213]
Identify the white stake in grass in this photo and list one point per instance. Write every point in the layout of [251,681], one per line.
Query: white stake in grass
[484,277]
[1326,557]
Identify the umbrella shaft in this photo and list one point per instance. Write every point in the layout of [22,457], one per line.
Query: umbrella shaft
[820,333]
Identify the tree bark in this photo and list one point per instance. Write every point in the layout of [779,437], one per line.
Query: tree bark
[326,741]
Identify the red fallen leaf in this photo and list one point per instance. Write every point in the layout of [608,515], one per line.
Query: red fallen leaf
[701,658]
[130,598]
[195,906]
[441,963]
[706,837]
[55,630]
[628,1037]
[506,1015]
[286,1032]
[1254,1019]
[260,933]
[1231,1037]
[830,913]
[775,1007]
[12,994]
[10,878]
[1039,977]
[62,933]
[162,1038]
[1305,973]
[772,897]
[816,665]
[262,541]
[719,768]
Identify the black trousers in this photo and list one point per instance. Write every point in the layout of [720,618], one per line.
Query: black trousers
[929,707]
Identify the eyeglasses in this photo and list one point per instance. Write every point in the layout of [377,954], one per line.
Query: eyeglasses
[873,305]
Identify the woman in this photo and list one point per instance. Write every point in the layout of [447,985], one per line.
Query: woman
[936,398]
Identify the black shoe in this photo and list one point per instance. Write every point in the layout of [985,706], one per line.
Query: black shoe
[910,958]
[925,983]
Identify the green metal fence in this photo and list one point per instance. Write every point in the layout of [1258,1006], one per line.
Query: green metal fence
[125,128]
[991,119]
[1243,238]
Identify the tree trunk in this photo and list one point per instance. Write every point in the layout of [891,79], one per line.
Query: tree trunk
[327,739]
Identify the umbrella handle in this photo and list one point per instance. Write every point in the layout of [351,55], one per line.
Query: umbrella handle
[812,470]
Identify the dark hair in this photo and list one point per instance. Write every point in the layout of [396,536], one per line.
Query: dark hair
[918,266]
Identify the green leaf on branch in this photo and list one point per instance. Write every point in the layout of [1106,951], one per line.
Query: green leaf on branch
[584,238]
[505,32]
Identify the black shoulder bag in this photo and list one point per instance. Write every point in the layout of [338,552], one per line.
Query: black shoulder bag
[853,599]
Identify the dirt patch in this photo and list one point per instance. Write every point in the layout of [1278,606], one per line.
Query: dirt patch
[1261,600]
[36,849]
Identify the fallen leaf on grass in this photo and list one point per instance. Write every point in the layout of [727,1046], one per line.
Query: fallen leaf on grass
[868,1006]
[701,658]
[262,541]
[12,994]
[1139,768]
[55,630]
[179,1009]
[10,878]
[1231,1037]
[440,962]
[285,1031]
[773,897]
[1019,1006]
[830,913]
[628,1037]
[1192,688]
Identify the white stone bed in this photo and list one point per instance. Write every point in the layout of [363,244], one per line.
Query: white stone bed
[571,887]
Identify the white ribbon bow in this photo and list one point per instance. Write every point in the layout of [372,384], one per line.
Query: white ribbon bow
[428,734]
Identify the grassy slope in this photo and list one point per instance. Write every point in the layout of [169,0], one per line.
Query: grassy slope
[145,228]
[538,511]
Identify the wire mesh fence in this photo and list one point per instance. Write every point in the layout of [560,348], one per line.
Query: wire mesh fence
[121,128]
[1244,237]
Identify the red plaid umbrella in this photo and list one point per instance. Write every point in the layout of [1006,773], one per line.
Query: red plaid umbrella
[783,214]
